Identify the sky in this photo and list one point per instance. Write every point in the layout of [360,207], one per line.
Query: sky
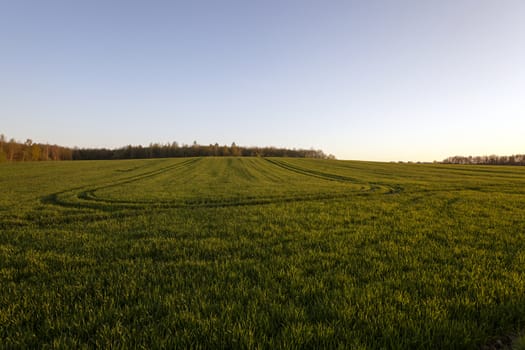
[387,80]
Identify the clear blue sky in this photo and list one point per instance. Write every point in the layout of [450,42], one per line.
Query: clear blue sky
[376,80]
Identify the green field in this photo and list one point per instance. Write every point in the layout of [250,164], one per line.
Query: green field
[260,253]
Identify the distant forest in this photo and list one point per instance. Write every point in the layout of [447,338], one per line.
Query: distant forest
[28,151]
[518,159]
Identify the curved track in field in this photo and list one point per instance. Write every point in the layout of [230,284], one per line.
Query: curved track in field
[83,196]
[89,198]
[372,187]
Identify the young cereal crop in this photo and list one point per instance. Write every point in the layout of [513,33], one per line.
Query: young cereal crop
[260,253]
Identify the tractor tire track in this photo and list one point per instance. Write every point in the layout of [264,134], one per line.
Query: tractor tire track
[85,197]
[372,186]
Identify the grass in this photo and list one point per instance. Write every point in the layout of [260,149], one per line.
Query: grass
[260,253]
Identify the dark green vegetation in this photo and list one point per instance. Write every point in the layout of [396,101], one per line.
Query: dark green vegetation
[516,159]
[251,252]
[14,151]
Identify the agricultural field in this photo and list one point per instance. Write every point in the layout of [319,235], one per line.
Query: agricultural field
[218,253]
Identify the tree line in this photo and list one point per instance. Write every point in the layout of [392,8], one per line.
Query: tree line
[517,159]
[11,150]
[28,151]
[174,150]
